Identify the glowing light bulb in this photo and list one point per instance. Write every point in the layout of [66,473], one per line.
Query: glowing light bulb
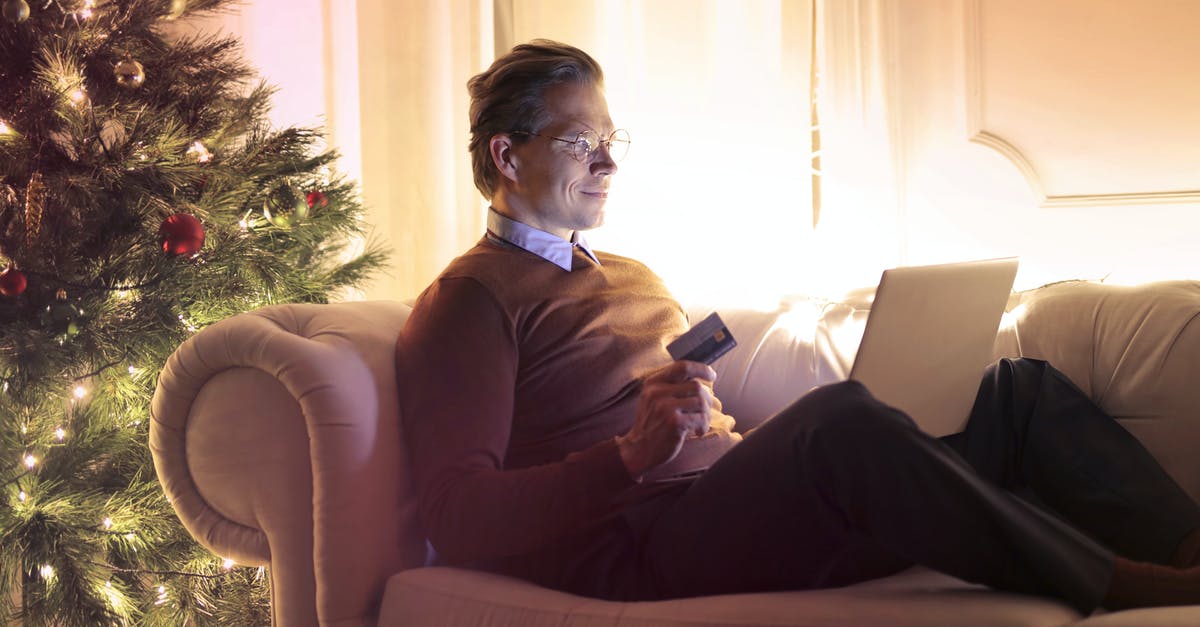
[5,129]
[47,571]
[60,433]
[107,522]
[133,370]
[80,391]
[21,496]
[30,461]
[78,96]
[198,152]
[227,563]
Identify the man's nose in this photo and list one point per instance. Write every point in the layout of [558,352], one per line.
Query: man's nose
[602,161]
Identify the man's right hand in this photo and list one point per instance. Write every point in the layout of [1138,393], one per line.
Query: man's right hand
[676,402]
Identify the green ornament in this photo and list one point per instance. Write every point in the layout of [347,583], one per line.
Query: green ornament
[62,316]
[284,207]
[16,11]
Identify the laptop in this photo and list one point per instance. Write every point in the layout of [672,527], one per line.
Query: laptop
[929,337]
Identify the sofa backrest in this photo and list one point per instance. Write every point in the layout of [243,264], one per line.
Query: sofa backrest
[1134,350]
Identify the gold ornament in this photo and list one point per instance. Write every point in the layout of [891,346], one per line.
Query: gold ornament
[284,207]
[176,8]
[129,73]
[16,11]
[35,202]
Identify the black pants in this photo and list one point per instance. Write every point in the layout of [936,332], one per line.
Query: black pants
[839,488]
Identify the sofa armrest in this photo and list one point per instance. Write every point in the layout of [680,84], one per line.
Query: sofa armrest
[276,437]
[1134,350]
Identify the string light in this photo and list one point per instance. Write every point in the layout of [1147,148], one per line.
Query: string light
[227,563]
[86,11]
[30,461]
[80,391]
[198,152]
[47,571]
[5,129]
[162,595]
[21,496]
[114,596]
[79,96]
[60,433]
[108,522]
[133,371]
[186,324]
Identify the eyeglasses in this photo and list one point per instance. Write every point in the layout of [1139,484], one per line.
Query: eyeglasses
[588,142]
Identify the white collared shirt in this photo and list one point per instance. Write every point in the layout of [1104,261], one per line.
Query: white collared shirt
[548,246]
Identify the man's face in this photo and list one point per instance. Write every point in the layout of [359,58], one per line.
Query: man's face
[554,191]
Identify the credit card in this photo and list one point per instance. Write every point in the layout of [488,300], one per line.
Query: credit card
[705,342]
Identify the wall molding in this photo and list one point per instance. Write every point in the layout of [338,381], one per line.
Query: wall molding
[976,134]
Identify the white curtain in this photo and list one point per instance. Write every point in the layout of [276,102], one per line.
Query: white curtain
[716,192]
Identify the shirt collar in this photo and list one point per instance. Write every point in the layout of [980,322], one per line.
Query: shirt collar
[548,246]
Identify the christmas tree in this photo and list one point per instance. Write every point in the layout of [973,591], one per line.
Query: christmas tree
[142,197]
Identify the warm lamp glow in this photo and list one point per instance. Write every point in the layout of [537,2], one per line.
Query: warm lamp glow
[801,320]
[1010,318]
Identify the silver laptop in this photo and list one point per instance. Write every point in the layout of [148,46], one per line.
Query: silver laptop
[929,336]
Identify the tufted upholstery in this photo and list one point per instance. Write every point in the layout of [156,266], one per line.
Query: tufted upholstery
[276,437]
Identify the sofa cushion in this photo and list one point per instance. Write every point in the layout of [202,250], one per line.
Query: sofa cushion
[450,597]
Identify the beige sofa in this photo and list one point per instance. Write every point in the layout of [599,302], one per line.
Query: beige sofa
[276,437]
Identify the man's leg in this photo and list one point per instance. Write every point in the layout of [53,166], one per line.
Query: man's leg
[840,488]
[1032,428]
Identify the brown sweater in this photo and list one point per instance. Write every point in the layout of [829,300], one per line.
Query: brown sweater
[516,377]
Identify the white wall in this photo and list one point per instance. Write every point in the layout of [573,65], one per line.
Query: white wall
[1086,116]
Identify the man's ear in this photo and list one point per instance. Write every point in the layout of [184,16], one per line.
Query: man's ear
[503,155]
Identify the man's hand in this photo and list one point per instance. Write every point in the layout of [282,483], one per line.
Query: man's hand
[676,402]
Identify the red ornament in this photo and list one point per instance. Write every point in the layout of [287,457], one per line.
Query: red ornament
[181,234]
[316,197]
[12,281]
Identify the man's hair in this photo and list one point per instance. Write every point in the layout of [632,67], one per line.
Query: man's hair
[510,96]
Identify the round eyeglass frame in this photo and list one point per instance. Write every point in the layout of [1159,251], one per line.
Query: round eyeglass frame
[588,141]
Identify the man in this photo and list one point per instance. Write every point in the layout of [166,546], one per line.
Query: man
[539,406]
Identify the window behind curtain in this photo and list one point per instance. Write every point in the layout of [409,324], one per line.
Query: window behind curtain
[717,192]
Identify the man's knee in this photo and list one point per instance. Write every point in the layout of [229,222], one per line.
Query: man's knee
[1016,366]
[845,410]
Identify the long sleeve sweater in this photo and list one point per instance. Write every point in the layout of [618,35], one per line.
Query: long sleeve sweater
[516,377]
